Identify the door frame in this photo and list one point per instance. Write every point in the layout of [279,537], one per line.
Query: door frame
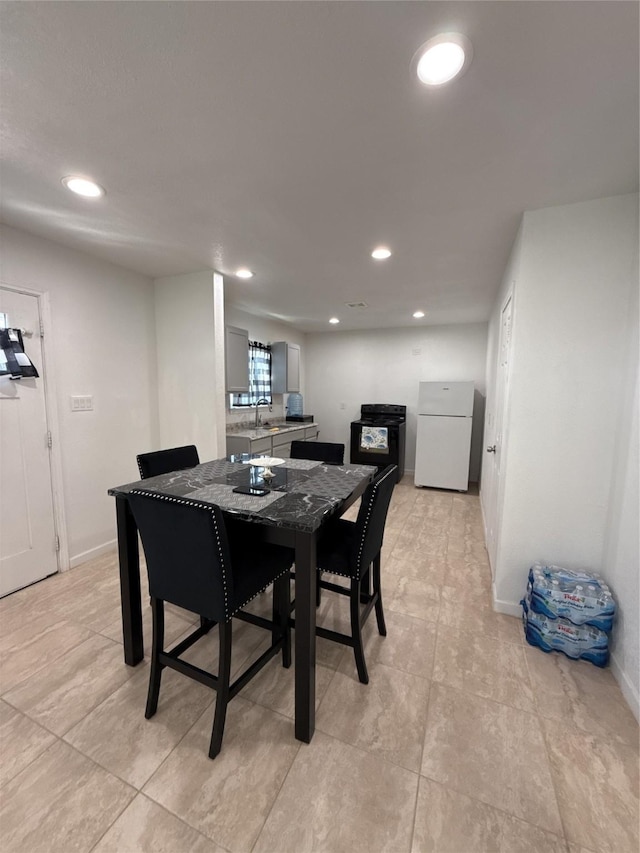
[45,336]
[498,414]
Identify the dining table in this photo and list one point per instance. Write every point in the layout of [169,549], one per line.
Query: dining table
[297,499]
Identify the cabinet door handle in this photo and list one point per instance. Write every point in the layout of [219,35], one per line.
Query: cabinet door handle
[491,448]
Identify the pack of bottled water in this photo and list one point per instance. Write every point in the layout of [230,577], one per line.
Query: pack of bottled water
[575,641]
[568,611]
[584,599]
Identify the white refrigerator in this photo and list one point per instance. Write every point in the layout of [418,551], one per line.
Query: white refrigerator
[443,442]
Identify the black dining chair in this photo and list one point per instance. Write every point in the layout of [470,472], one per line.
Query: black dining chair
[329,452]
[192,564]
[319,451]
[352,549]
[164,461]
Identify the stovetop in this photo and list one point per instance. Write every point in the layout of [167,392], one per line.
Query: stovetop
[380,414]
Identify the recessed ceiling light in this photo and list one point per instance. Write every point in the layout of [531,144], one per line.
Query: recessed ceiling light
[243,272]
[442,58]
[83,186]
[418,314]
[334,320]
[381,253]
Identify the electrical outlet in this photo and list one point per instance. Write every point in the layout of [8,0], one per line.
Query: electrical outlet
[82,403]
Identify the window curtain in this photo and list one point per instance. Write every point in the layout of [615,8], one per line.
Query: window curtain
[259,375]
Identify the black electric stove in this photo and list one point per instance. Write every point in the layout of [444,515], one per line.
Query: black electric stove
[378,437]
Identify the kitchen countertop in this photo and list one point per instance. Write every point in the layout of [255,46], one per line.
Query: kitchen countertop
[267,431]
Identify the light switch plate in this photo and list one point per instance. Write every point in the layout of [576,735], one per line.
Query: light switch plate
[82,403]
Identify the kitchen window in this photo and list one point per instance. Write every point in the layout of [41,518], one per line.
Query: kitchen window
[259,377]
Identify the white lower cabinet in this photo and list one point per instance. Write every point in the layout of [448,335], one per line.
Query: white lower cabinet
[276,444]
[242,444]
[283,448]
[282,442]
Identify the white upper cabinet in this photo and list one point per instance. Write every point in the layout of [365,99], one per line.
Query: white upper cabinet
[285,367]
[236,347]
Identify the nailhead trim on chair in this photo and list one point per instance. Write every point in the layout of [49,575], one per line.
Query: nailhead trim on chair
[286,571]
[198,505]
[366,522]
[340,574]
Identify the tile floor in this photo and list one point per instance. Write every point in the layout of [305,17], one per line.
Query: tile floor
[465,739]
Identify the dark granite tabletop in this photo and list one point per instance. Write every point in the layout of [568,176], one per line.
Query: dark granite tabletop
[301,492]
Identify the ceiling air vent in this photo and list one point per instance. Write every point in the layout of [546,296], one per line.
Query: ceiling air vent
[356,304]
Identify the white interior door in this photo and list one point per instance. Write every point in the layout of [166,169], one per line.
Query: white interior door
[27,529]
[494,435]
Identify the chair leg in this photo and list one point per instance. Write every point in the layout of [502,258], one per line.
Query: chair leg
[207,623]
[356,631]
[365,587]
[222,690]
[281,610]
[318,587]
[155,674]
[377,589]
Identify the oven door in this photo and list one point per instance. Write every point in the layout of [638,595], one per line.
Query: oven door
[374,444]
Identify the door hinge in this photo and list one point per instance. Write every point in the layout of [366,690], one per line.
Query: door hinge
[41,329]
[57,543]
[49,439]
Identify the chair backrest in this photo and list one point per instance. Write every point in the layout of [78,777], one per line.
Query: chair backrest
[187,552]
[372,517]
[320,451]
[165,461]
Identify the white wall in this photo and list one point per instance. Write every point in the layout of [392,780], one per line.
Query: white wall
[622,552]
[103,332]
[266,331]
[569,405]
[346,369]
[190,346]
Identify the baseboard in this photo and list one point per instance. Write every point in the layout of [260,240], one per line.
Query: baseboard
[628,690]
[484,520]
[92,553]
[509,608]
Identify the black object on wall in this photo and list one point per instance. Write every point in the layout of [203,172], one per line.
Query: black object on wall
[13,359]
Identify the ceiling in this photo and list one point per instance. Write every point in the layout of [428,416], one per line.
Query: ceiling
[291,137]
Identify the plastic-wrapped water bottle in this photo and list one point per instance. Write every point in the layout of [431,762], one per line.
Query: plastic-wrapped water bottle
[575,641]
[561,593]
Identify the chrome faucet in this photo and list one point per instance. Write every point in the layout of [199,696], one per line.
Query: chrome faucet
[261,400]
